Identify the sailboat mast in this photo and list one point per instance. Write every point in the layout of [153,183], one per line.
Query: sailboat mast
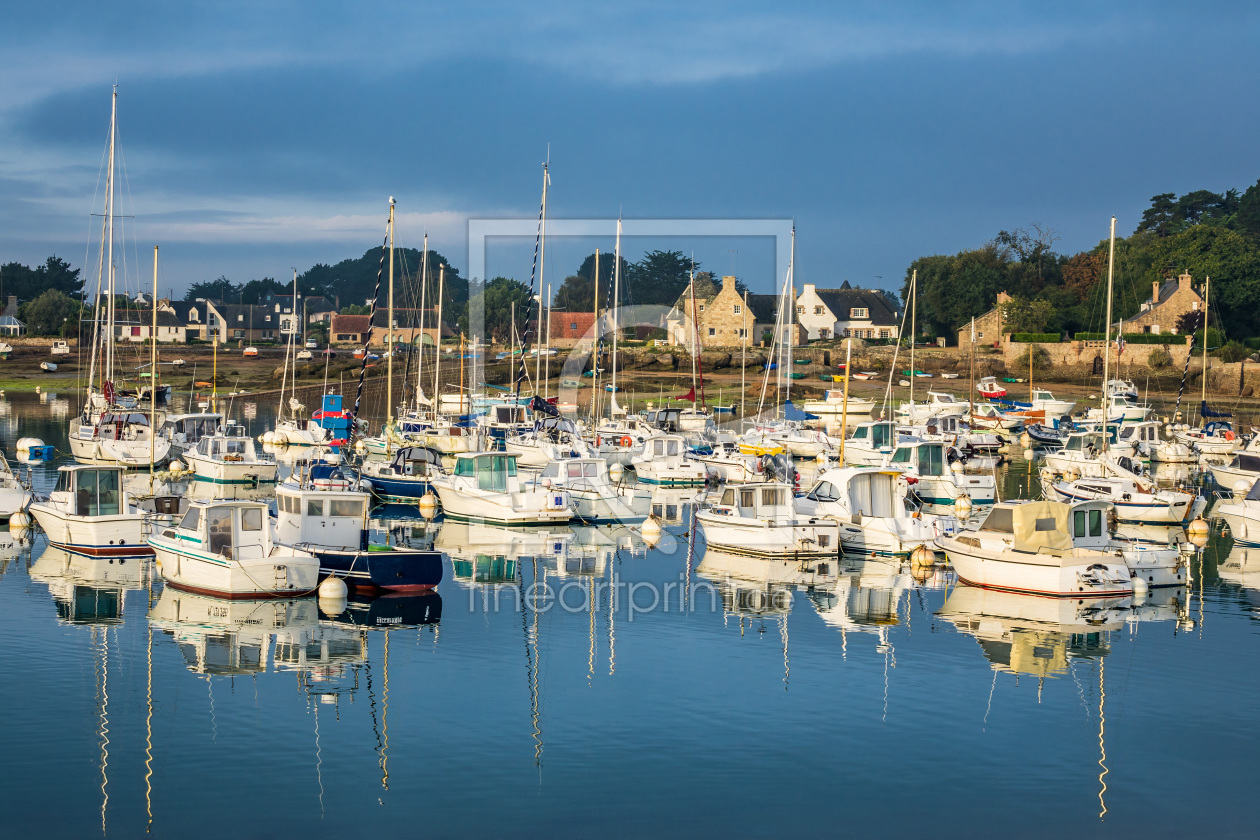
[153,373]
[542,264]
[389,333]
[1207,291]
[424,285]
[844,408]
[109,220]
[695,331]
[547,349]
[1111,269]
[785,363]
[914,311]
[743,360]
[437,357]
[616,308]
[595,347]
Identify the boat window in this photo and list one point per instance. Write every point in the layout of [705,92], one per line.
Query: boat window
[64,482]
[746,498]
[314,507]
[658,448]
[881,435]
[251,519]
[204,447]
[1078,523]
[492,473]
[465,466]
[931,460]
[552,471]
[85,492]
[673,447]
[575,470]
[772,496]
[1047,523]
[191,520]
[860,434]
[1095,523]
[345,507]
[1126,433]
[999,520]
[591,470]
[824,491]
[902,456]
[235,447]
[110,495]
[219,529]
[728,497]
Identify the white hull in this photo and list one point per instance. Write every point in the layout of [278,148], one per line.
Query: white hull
[227,475]
[285,573]
[762,539]
[117,535]
[131,454]
[503,508]
[858,407]
[1042,574]
[1208,445]
[12,499]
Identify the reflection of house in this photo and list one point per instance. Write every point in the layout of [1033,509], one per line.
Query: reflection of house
[988,326]
[9,323]
[721,315]
[1169,302]
[846,311]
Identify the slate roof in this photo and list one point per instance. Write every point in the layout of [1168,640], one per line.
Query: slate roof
[764,307]
[841,301]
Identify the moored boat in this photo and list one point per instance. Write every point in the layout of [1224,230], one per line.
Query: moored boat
[90,512]
[760,519]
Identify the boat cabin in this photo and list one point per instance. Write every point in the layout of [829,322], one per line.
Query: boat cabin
[949,424]
[495,472]
[663,447]
[124,425]
[508,416]
[232,530]
[925,459]
[324,518]
[90,491]
[419,461]
[1088,442]
[862,492]
[577,473]
[1029,527]
[879,434]
[188,429]
[1091,524]
[665,419]
[1146,431]
[230,445]
[767,502]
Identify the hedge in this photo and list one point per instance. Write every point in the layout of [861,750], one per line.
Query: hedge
[1136,338]
[1036,338]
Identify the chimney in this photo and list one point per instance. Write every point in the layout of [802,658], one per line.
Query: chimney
[1155,292]
[1002,298]
[808,289]
[1183,282]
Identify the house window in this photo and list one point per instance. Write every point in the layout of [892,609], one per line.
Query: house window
[884,334]
[712,332]
[800,310]
[980,336]
[344,337]
[824,333]
[818,310]
[135,331]
[240,318]
[573,326]
[268,319]
[857,312]
[702,307]
[739,309]
[238,333]
[743,333]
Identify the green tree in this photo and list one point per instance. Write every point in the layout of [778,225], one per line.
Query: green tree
[1021,315]
[52,313]
[28,283]
[222,290]
[577,293]
[354,281]
[659,278]
[1248,216]
[356,309]
[498,298]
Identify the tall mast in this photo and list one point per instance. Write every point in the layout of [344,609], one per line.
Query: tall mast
[153,373]
[743,360]
[914,311]
[389,335]
[785,363]
[695,331]
[1111,268]
[844,408]
[437,357]
[1207,291]
[616,308]
[595,347]
[424,284]
[542,264]
[109,220]
[547,348]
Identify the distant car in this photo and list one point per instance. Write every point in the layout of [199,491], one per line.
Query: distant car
[251,351]
[312,344]
[303,355]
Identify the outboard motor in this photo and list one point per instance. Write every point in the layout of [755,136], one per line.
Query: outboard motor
[777,468]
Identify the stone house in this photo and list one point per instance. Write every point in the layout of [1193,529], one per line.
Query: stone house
[247,323]
[1169,301]
[722,316]
[846,311]
[349,329]
[988,327]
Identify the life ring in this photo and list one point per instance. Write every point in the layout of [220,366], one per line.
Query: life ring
[1229,435]
[627,441]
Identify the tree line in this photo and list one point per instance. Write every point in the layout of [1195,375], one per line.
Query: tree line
[1202,233]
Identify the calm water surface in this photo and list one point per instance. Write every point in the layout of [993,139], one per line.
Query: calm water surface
[856,699]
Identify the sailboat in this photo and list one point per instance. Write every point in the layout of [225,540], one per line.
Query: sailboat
[108,431]
[290,430]
[1215,435]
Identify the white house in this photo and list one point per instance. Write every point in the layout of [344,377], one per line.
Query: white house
[846,311]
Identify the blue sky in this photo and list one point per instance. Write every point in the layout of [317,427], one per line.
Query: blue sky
[259,137]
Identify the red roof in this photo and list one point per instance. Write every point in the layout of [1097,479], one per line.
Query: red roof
[571,324]
[346,324]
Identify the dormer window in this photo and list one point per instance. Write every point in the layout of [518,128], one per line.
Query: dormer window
[859,312]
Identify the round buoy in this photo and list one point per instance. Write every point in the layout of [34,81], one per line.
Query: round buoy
[1026,440]
[1168,429]
[923,556]
[267,437]
[24,445]
[1198,532]
[1028,454]
[1140,586]
[20,521]
[428,505]
[1241,487]
[176,468]
[956,466]
[332,607]
[962,506]
[651,531]
[333,587]
[616,471]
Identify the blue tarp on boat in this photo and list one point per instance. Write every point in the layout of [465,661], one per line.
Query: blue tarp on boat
[791,412]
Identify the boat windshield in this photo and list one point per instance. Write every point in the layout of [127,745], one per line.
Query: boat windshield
[902,455]
[860,433]
[931,460]
[493,472]
[97,493]
[882,434]
[1087,523]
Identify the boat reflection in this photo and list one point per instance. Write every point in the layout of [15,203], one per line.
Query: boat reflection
[490,555]
[1241,568]
[89,590]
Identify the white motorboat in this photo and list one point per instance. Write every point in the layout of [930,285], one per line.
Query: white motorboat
[551,439]
[1136,500]
[618,439]
[869,503]
[1083,453]
[803,442]
[871,443]
[90,512]
[1242,515]
[832,403]
[1158,564]
[990,388]
[1216,438]
[14,496]
[1122,388]
[1120,410]
[226,465]
[726,463]
[225,549]
[184,431]
[934,482]
[938,404]
[1245,466]
[1146,441]
[119,437]
[405,478]
[594,496]
[484,486]
[760,519]
[662,461]
[1026,546]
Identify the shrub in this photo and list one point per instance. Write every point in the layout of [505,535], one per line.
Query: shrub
[1159,358]
[1040,359]
[1036,338]
[1234,351]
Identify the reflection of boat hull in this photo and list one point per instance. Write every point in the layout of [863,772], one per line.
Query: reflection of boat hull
[392,611]
[400,569]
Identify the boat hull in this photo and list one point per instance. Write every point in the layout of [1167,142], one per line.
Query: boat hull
[279,575]
[121,535]
[1032,575]
[398,570]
